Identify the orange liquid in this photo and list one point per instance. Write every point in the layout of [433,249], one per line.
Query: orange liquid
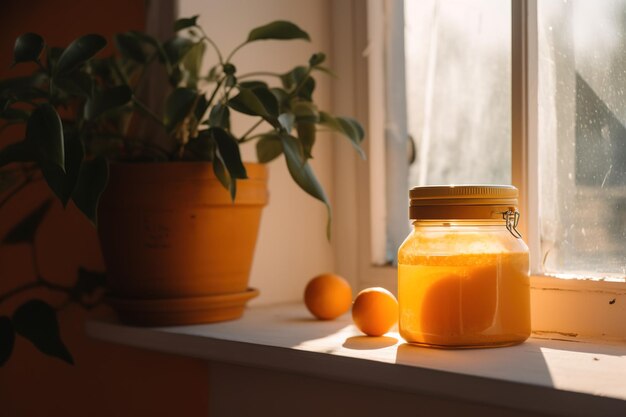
[466,300]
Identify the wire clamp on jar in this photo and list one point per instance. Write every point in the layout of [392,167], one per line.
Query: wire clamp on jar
[512,220]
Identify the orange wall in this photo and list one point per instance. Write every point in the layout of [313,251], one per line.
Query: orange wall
[107,380]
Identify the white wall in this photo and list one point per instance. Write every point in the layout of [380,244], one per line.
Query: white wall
[292,245]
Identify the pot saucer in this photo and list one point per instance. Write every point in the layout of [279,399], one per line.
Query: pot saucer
[182,311]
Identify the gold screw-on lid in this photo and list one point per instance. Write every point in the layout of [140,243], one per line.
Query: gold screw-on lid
[461,201]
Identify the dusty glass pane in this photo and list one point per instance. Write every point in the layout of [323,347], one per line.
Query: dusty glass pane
[582,137]
[458,75]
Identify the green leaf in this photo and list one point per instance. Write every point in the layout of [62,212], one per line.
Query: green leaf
[268,148]
[222,175]
[294,77]
[348,127]
[201,107]
[317,59]
[145,38]
[26,229]
[256,102]
[185,22]
[78,52]
[192,63]
[176,48]
[325,70]
[92,180]
[130,47]
[253,84]
[63,183]
[44,131]
[281,96]
[233,189]
[287,120]
[36,321]
[75,83]
[306,91]
[27,48]
[305,111]
[107,100]
[306,134]
[178,106]
[7,339]
[292,149]
[201,147]
[231,81]
[228,149]
[280,30]
[220,116]
[299,78]
[176,76]
[303,175]
[354,125]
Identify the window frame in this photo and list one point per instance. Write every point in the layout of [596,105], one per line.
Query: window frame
[574,309]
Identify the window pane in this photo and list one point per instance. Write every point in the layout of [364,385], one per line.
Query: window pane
[458,75]
[582,137]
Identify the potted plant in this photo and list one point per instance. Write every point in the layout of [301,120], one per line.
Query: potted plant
[178,219]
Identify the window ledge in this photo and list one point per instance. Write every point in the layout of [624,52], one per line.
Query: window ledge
[545,376]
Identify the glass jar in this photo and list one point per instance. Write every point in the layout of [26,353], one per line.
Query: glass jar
[463,271]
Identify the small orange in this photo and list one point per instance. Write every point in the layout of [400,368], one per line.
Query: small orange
[328,296]
[375,311]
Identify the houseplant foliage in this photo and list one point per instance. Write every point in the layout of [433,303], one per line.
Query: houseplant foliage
[197,112]
[81,112]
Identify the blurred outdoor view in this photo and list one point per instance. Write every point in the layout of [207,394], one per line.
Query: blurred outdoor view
[582,138]
[458,76]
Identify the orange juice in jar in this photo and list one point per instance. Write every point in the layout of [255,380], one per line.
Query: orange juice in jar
[463,271]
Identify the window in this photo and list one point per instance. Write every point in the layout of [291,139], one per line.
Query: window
[582,137]
[539,89]
[457,73]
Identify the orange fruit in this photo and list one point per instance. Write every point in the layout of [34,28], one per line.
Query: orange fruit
[328,296]
[375,311]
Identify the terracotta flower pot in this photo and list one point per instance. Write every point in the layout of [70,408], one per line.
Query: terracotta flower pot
[177,249]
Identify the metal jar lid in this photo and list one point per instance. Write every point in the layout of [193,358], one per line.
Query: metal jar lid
[465,202]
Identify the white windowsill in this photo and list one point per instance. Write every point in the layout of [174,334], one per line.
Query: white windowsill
[545,376]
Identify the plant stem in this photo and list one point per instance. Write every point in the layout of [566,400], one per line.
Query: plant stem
[235,50]
[217,88]
[244,137]
[259,73]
